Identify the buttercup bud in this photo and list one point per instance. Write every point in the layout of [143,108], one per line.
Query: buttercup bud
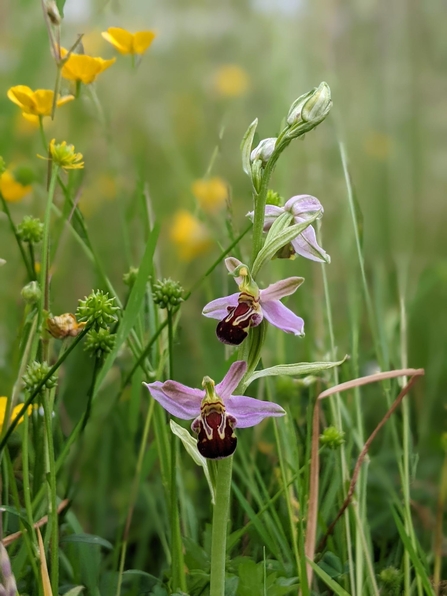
[130,277]
[264,150]
[31,293]
[97,308]
[64,325]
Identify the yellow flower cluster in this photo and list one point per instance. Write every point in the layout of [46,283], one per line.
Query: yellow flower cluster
[210,193]
[189,235]
[11,189]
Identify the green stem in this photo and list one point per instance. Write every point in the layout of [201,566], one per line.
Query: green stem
[220,526]
[45,243]
[42,135]
[52,488]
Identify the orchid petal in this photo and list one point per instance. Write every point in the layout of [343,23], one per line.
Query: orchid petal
[231,380]
[280,316]
[306,245]
[279,289]
[303,204]
[249,411]
[179,400]
[218,309]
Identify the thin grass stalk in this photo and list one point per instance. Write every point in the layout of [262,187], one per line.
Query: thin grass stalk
[314,474]
[336,415]
[438,539]
[48,400]
[31,273]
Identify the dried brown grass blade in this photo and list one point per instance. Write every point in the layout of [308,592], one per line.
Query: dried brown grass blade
[311,530]
[46,584]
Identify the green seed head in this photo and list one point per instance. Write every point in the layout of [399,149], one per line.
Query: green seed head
[97,309]
[130,277]
[167,293]
[34,375]
[332,437]
[274,198]
[99,342]
[30,230]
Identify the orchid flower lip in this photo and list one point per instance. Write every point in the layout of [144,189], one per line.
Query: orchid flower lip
[215,415]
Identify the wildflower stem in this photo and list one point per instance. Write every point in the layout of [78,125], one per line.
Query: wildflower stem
[220,526]
[45,242]
[42,134]
[52,487]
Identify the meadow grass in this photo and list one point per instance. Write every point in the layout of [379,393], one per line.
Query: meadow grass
[346,494]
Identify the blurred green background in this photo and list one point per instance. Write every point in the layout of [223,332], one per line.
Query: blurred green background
[386,65]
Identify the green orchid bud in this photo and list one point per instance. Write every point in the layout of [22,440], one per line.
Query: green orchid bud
[309,110]
[264,150]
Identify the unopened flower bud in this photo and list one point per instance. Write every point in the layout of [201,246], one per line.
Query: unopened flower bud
[332,437]
[31,293]
[264,150]
[130,277]
[97,308]
[64,325]
[30,230]
[99,342]
[167,293]
[8,581]
[34,375]
[52,12]
[311,107]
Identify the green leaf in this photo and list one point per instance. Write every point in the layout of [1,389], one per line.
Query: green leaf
[246,144]
[300,368]
[190,444]
[327,579]
[133,305]
[271,247]
[88,539]
[75,591]
[415,558]
[331,564]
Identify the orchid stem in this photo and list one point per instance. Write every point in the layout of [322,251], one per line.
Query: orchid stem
[220,526]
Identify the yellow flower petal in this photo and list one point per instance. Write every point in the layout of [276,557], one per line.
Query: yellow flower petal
[15,410]
[142,40]
[43,99]
[11,189]
[31,118]
[83,68]
[211,194]
[189,235]
[22,96]
[121,39]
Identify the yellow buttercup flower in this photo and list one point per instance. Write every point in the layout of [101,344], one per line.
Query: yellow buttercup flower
[129,43]
[14,413]
[64,156]
[35,103]
[189,235]
[211,194]
[231,81]
[83,68]
[11,189]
